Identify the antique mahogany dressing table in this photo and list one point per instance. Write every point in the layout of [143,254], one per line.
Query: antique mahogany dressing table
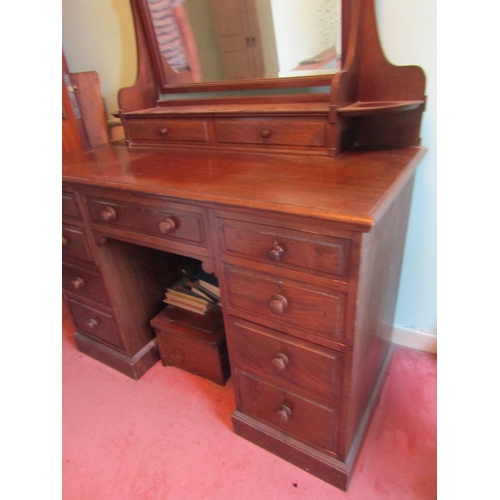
[297,202]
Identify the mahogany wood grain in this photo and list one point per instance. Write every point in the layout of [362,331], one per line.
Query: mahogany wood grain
[73,133]
[346,190]
[299,250]
[307,248]
[278,300]
[91,105]
[193,342]
[287,361]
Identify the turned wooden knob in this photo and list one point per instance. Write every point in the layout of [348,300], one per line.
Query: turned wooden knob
[275,253]
[280,361]
[77,283]
[266,133]
[164,131]
[92,323]
[108,214]
[167,226]
[284,413]
[278,304]
[64,241]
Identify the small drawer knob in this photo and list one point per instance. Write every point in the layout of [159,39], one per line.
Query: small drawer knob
[77,283]
[108,214]
[284,412]
[92,323]
[278,304]
[164,131]
[280,361]
[65,241]
[266,133]
[275,253]
[167,226]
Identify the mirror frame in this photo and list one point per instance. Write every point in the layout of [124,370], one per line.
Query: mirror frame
[170,81]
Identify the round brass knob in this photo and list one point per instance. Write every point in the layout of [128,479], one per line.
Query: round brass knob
[92,323]
[284,413]
[167,226]
[108,214]
[64,241]
[77,283]
[278,304]
[275,253]
[164,131]
[266,133]
[280,361]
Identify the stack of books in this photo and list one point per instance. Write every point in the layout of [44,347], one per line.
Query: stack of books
[197,293]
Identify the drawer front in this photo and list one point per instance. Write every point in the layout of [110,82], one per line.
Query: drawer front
[286,361]
[277,132]
[75,244]
[167,130]
[69,205]
[95,323]
[287,302]
[323,255]
[171,223]
[83,283]
[288,412]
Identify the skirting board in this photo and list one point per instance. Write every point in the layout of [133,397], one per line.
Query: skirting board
[416,339]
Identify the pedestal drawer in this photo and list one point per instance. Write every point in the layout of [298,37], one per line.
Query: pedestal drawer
[95,323]
[284,301]
[69,205]
[323,255]
[286,361]
[288,412]
[84,283]
[74,244]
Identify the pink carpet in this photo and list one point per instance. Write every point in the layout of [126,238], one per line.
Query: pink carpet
[169,436]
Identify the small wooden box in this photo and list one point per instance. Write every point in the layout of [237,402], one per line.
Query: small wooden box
[193,342]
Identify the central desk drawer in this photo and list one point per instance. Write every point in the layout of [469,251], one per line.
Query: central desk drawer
[286,361]
[288,302]
[324,255]
[288,412]
[276,132]
[172,221]
[180,130]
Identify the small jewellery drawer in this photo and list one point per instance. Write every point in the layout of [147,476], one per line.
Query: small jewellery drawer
[180,130]
[83,283]
[287,361]
[172,221]
[288,302]
[69,205]
[95,323]
[324,255]
[277,131]
[74,244]
[289,412]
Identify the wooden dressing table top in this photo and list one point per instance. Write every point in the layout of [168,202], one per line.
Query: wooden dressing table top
[352,190]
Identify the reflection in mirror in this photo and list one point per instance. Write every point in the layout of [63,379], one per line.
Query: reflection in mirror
[231,40]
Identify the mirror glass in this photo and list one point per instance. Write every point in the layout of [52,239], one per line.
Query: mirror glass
[205,41]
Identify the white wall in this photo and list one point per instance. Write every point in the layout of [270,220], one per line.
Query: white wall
[98,36]
[408,33]
[299,30]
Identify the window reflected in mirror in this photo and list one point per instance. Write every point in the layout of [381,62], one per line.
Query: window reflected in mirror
[231,40]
